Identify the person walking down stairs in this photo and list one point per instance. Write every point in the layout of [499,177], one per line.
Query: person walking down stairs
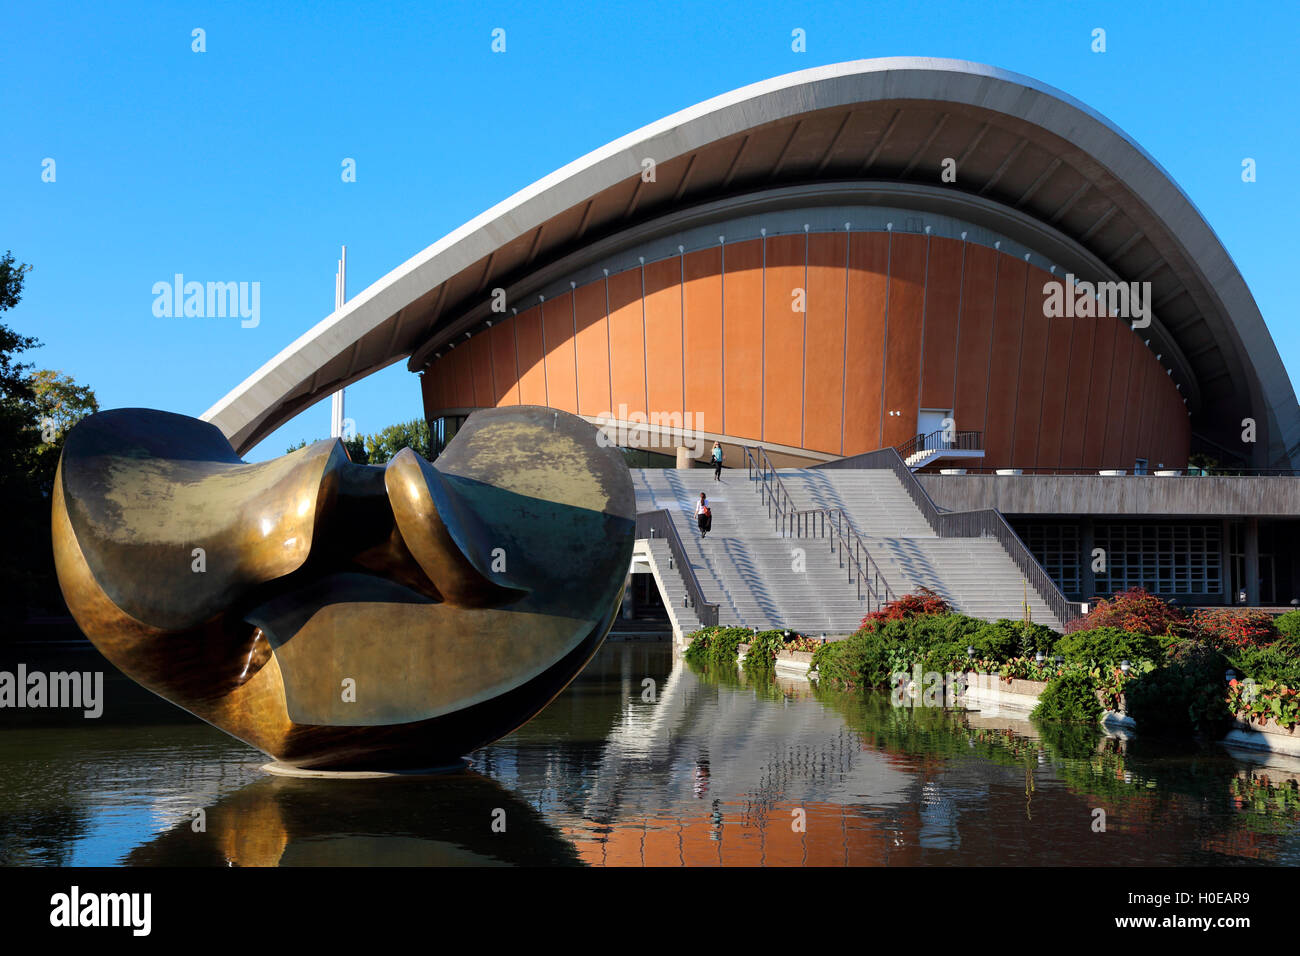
[703,515]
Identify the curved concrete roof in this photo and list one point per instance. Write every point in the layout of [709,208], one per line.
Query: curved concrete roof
[1018,143]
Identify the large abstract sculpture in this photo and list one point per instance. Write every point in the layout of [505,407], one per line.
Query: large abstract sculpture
[343,616]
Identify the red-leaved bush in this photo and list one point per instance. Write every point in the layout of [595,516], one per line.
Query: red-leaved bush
[1238,627]
[1136,610]
[909,605]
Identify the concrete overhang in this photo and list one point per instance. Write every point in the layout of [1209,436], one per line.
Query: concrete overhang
[1018,144]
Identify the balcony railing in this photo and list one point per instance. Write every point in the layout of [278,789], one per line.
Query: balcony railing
[936,441]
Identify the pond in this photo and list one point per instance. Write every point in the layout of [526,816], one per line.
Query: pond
[644,760]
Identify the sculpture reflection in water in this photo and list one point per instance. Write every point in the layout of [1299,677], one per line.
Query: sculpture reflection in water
[277,821]
[343,616]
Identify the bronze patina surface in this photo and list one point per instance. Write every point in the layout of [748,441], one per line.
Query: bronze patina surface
[343,616]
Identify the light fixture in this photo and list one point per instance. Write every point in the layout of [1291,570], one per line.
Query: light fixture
[970,652]
[1039,657]
[1124,666]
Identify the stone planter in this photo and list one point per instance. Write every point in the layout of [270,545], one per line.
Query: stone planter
[1011,471]
[1266,735]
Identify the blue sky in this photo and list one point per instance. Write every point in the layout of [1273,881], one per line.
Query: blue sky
[225,165]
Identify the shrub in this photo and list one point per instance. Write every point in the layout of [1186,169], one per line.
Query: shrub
[1288,627]
[1134,610]
[716,644]
[1234,627]
[1004,639]
[1185,695]
[1068,698]
[1108,645]
[763,648]
[908,606]
[863,660]
[1277,661]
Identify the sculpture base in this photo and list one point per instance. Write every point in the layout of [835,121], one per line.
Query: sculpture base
[285,770]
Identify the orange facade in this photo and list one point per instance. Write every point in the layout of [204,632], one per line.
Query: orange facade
[834,343]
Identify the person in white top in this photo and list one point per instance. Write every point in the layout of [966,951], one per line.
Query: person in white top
[703,515]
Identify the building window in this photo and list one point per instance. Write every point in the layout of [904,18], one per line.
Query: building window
[442,431]
[1056,546]
[1163,558]
[1140,466]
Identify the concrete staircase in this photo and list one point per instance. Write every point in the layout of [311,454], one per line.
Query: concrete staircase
[747,567]
[975,575]
[658,555]
[756,577]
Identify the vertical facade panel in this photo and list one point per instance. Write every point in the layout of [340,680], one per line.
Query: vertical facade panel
[561,370]
[532,361]
[463,377]
[783,338]
[1152,414]
[942,300]
[865,341]
[480,357]
[501,347]
[1139,355]
[702,299]
[627,342]
[1031,372]
[1057,368]
[1076,392]
[903,336]
[663,334]
[824,355]
[975,338]
[1008,328]
[1117,396]
[1097,412]
[592,349]
[742,322]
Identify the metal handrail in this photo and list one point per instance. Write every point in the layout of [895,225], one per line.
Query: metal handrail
[830,523]
[961,441]
[651,524]
[968,524]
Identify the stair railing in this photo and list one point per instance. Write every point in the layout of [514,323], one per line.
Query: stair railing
[830,523]
[659,524]
[968,524]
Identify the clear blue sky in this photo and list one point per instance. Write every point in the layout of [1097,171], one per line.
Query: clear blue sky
[225,165]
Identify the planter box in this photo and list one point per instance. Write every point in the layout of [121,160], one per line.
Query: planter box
[1265,735]
[795,663]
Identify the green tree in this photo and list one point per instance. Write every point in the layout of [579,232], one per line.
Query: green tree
[59,403]
[27,550]
[383,445]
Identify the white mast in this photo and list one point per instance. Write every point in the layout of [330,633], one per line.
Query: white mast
[340,297]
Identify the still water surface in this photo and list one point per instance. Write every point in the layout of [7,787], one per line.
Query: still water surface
[716,769]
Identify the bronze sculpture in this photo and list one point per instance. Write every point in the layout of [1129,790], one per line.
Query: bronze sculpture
[345,616]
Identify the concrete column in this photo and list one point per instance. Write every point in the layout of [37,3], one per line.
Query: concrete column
[1252,561]
[684,459]
[1225,564]
[1087,578]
